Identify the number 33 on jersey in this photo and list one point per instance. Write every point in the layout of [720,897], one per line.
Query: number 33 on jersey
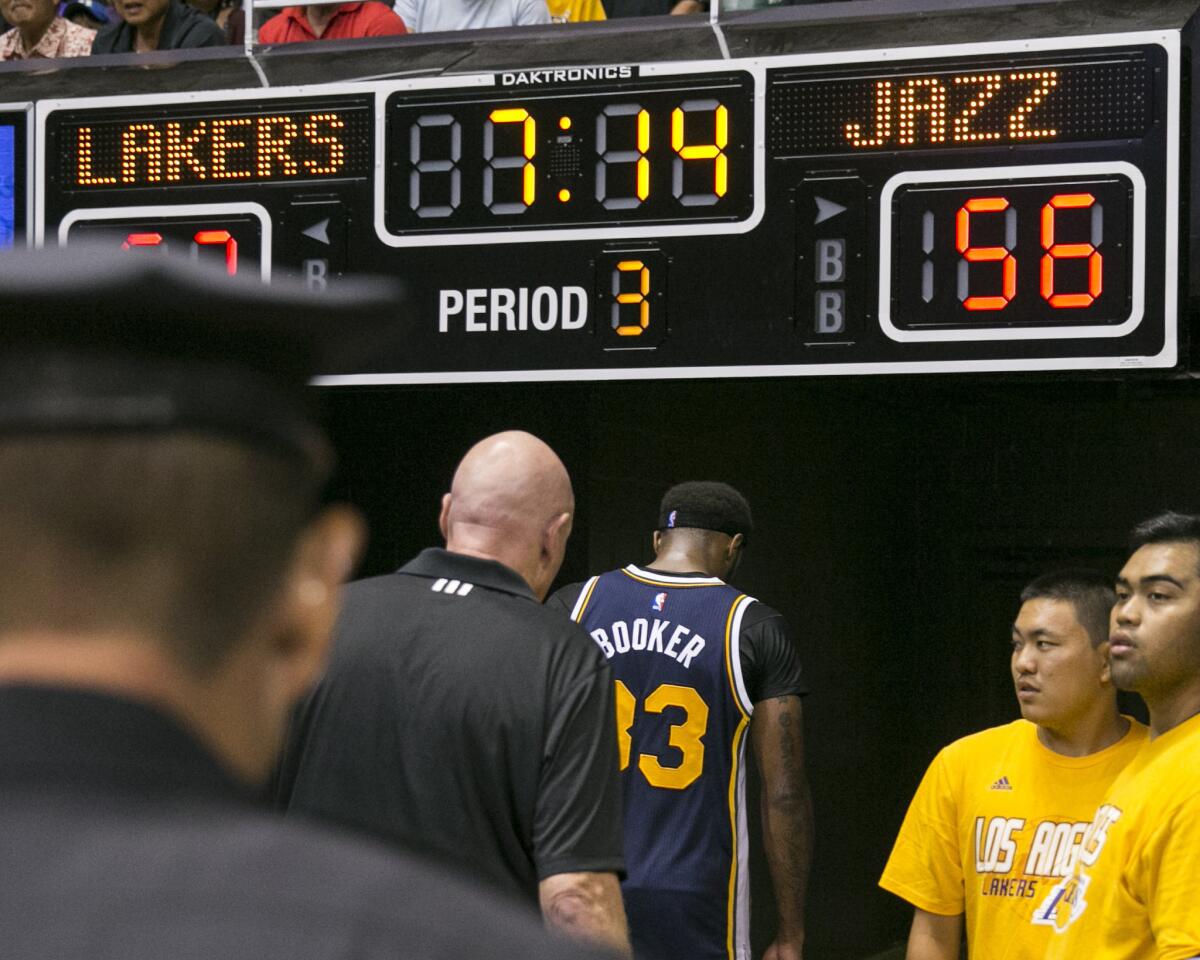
[682,716]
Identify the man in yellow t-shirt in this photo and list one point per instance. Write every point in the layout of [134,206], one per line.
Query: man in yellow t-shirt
[995,820]
[1134,890]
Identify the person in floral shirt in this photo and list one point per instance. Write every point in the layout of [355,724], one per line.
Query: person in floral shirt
[38,31]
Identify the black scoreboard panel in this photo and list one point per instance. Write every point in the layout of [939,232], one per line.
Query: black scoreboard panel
[1002,207]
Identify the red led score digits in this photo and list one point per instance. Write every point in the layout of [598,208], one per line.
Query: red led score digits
[201,238]
[1054,252]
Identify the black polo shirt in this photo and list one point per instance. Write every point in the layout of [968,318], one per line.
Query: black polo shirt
[462,719]
[121,838]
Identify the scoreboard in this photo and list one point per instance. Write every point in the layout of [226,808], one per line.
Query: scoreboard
[965,207]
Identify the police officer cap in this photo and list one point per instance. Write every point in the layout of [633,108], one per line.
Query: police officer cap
[708,505]
[100,340]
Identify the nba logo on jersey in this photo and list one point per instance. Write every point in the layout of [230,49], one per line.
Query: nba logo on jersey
[670,523]
[660,601]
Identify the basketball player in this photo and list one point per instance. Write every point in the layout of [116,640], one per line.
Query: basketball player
[1134,892]
[694,659]
[996,817]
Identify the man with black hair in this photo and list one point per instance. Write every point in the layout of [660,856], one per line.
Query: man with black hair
[998,813]
[694,660]
[168,580]
[1134,888]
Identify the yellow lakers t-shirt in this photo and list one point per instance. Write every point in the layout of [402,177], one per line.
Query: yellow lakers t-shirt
[1134,893]
[993,827]
[577,11]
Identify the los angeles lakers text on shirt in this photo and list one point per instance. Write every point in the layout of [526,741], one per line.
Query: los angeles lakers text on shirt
[993,826]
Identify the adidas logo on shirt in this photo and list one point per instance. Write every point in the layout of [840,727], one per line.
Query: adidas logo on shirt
[453,587]
[1001,784]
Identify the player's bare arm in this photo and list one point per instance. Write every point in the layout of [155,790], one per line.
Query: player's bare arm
[934,936]
[787,816]
[586,906]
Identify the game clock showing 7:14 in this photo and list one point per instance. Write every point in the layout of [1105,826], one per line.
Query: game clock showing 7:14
[665,153]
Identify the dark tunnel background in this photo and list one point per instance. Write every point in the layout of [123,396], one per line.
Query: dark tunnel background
[896,521]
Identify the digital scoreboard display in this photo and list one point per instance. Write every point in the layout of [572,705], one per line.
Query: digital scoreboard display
[1047,102]
[1013,206]
[650,153]
[216,147]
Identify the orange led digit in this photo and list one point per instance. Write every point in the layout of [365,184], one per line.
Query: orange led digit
[637,297]
[643,164]
[524,161]
[611,158]
[218,238]
[714,151]
[1072,251]
[142,240]
[970,254]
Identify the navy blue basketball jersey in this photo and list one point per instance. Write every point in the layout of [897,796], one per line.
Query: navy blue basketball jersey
[682,717]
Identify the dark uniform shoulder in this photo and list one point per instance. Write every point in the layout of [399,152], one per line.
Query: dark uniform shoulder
[563,599]
[759,613]
[235,882]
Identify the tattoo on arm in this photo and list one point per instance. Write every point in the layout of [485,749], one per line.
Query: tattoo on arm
[787,814]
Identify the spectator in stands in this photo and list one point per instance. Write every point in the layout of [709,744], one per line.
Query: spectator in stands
[331,21]
[91,14]
[575,11]
[226,14]
[650,8]
[38,31]
[157,25]
[431,16]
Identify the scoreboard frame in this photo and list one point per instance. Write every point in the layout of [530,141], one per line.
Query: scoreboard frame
[633,236]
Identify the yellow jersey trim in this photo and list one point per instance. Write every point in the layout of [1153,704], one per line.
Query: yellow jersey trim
[731,900]
[733,609]
[642,576]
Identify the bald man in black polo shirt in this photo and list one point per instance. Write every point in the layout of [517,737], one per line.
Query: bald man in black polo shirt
[462,719]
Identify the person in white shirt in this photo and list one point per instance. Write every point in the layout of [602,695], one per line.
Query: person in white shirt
[432,16]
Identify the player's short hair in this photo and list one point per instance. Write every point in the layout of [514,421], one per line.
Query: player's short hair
[1088,591]
[183,537]
[705,505]
[1166,527]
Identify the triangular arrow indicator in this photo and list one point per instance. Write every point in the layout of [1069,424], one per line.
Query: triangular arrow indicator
[320,231]
[826,209]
